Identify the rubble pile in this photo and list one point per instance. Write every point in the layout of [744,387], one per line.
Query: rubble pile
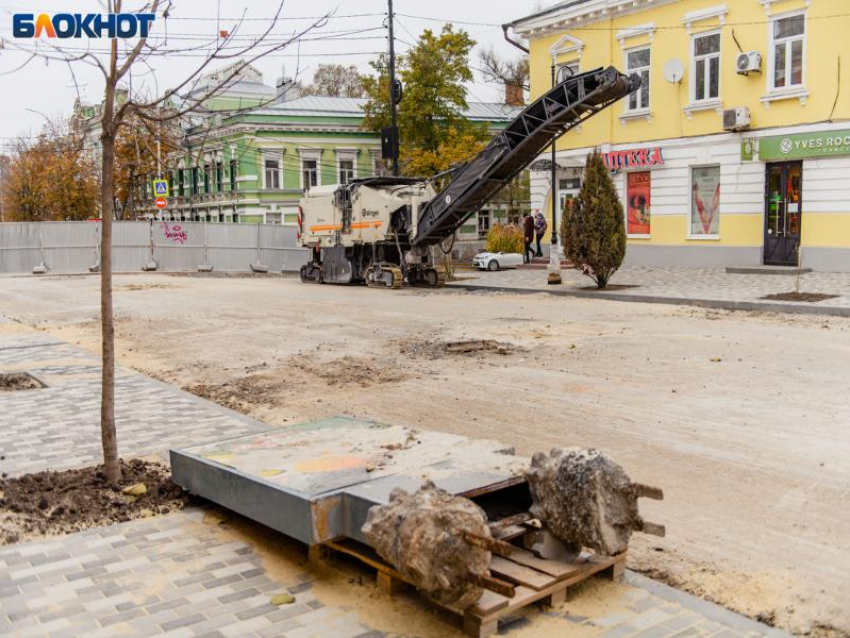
[584,498]
[421,535]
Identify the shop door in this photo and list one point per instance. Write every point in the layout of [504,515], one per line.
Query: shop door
[783,213]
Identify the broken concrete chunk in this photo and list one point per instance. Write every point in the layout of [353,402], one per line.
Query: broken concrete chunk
[584,498]
[421,535]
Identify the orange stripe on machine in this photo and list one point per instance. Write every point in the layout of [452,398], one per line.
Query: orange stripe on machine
[355,226]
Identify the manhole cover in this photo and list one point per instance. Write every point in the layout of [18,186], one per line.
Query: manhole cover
[11,381]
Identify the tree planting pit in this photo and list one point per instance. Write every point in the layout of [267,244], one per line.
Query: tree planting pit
[14,381]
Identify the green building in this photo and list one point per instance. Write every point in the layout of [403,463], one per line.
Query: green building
[249,160]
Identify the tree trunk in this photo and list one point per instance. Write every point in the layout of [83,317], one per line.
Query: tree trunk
[107,398]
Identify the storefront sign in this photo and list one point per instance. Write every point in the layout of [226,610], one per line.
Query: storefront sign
[797,146]
[633,158]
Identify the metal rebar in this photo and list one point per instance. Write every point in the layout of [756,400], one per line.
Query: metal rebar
[500,548]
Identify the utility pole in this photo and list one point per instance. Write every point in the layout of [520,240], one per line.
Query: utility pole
[393,105]
[554,237]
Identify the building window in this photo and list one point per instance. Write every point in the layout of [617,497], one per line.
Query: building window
[637,61]
[272,174]
[207,178]
[705,201]
[273,218]
[638,187]
[219,177]
[379,169]
[705,72]
[787,51]
[483,223]
[180,182]
[195,190]
[232,175]
[310,173]
[346,171]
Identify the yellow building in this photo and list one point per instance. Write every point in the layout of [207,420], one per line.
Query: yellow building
[736,149]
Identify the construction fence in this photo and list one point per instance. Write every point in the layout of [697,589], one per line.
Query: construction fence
[69,247]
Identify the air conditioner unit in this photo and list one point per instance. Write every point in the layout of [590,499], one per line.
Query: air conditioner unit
[736,119]
[749,62]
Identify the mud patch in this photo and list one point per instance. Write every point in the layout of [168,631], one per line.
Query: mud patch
[134,287]
[13,381]
[347,371]
[242,394]
[807,297]
[53,503]
[468,347]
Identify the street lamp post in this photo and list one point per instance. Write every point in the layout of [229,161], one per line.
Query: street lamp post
[554,255]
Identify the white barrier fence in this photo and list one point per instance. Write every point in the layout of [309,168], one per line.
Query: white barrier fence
[171,246]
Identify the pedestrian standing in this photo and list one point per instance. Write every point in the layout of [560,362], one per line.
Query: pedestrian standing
[528,237]
[540,227]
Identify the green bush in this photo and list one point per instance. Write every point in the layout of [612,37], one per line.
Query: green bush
[504,239]
[593,229]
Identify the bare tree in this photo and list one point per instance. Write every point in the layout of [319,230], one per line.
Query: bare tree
[192,95]
[336,80]
[512,74]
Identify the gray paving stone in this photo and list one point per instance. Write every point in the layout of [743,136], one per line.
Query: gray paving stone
[182,622]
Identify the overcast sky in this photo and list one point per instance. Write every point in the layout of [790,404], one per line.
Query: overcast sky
[27,93]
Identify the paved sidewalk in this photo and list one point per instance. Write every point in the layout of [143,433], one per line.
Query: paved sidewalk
[707,287]
[180,576]
[58,427]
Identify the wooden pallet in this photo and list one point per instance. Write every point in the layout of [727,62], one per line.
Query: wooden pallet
[535,580]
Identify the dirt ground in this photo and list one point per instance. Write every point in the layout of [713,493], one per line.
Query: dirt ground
[740,417]
[51,503]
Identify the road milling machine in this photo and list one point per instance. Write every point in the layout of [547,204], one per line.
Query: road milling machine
[382,230]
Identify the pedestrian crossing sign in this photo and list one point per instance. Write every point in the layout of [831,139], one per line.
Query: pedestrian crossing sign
[160,187]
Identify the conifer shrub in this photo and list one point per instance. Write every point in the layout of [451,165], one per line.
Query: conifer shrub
[593,228]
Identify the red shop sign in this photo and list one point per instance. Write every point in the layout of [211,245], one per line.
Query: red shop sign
[633,158]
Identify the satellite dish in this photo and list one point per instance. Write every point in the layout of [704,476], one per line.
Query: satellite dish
[674,71]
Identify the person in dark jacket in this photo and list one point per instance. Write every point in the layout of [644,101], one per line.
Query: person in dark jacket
[540,227]
[528,236]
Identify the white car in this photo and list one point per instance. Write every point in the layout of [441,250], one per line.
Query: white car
[496,261]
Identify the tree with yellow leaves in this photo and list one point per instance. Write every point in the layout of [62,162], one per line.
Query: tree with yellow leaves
[50,178]
[434,132]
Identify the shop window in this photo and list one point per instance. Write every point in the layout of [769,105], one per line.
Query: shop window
[310,173]
[637,62]
[272,174]
[346,171]
[787,52]
[705,201]
[705,69]
[638,188]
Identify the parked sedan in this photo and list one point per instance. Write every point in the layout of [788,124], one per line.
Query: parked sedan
[496,261]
